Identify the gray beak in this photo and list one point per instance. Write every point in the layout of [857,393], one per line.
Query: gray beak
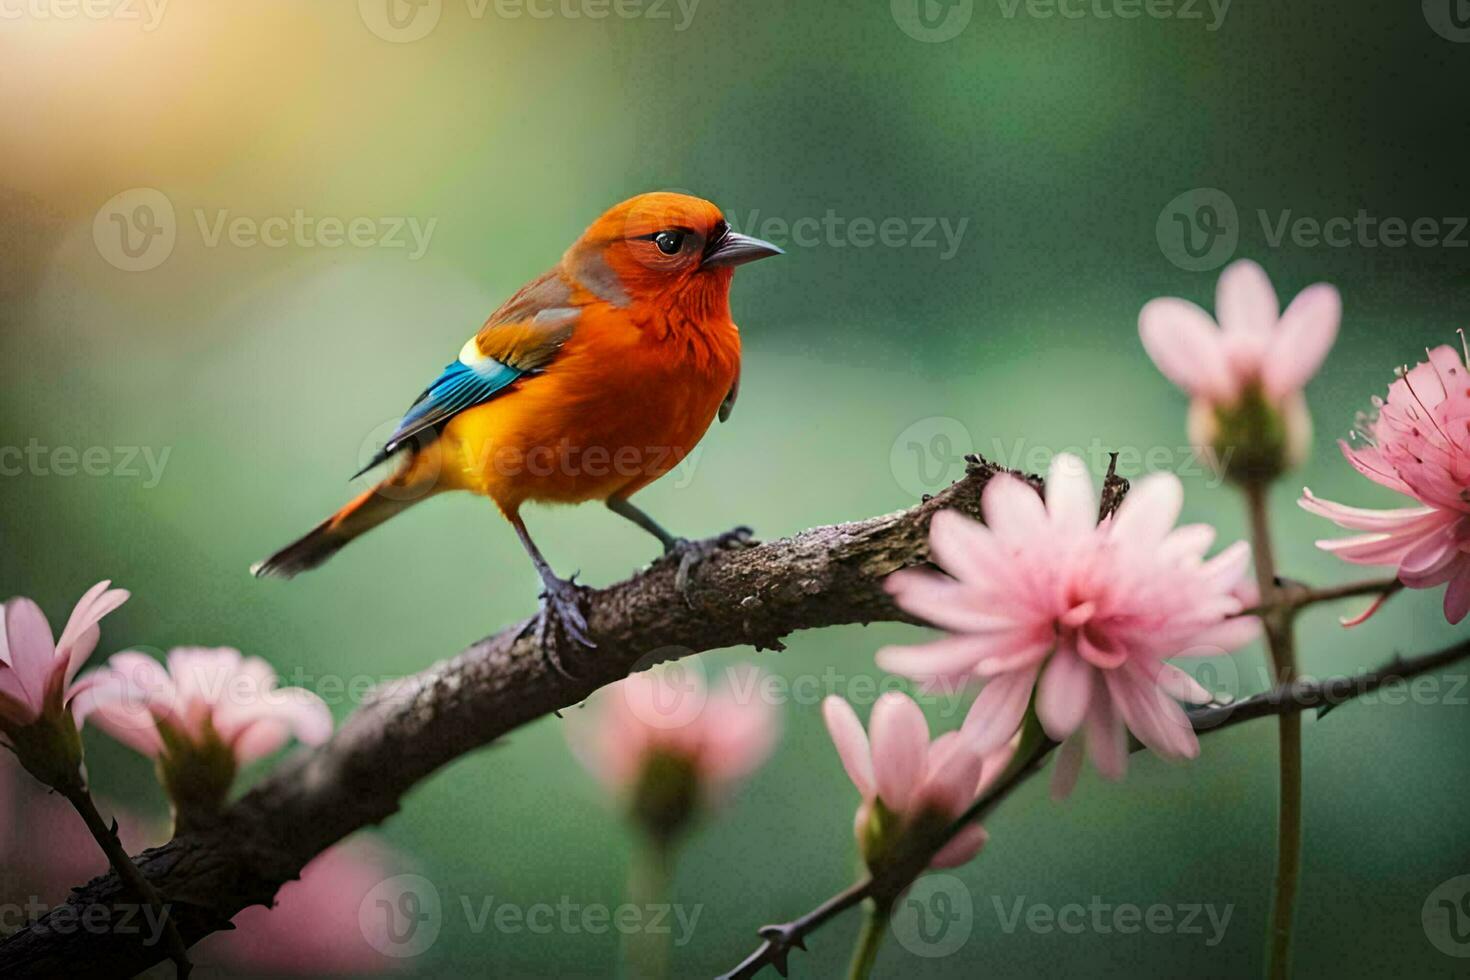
[732,248]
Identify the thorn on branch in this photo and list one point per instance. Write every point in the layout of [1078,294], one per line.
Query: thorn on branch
[1115,488]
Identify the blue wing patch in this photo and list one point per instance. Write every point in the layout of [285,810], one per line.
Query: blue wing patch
[458,388]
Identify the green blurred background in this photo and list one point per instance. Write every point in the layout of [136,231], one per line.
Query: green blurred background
[266,372]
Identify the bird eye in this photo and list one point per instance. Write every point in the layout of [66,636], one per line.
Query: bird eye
[669,242]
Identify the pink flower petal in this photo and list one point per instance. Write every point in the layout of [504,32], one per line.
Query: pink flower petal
[1457,596]
[279,715]
[1070,501]
[1019,651]
[32,649]
[851,742]
[963,547]
[1246,306]
[1149,511]
[996,714]
[1179,684]
[1013,510]
[15,709]
[1107,739]
[900,740]
[1091,648]
[80,636]
[950,657]
[961,848]
[1224,637]
[1230,567]
[1303,338]
[1369,549]
[1421,564]
[1067,768]
[952,770]
[943,601]
[1064,693]
[1348,622]
[1364,519]
[1153,717]
[1184,343]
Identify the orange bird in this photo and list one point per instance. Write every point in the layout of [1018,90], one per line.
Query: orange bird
[589,383]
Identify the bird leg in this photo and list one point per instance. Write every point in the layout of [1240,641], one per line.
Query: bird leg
[690,553]
[561,604]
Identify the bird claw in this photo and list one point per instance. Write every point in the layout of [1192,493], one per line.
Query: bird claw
[691,554]
[561,609]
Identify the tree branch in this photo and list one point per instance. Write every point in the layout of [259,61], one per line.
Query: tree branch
[825,576]
[1302,695]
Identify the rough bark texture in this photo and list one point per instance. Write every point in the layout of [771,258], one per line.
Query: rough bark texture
[825,576]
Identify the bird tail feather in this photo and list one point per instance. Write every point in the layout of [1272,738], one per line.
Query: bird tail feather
[363,513]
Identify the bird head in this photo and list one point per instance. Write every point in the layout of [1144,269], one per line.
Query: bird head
[656,245]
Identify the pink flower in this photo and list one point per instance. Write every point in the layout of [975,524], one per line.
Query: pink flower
[1245,377]
[36,690]
[1045,599]
[907,782]
[668,745]
[211,711]
[36,671]
[205,693]
[316,926]
[1419,446]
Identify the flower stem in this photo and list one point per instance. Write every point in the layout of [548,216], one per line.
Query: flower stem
[1279,624]
[870,939]
[650,882]
[106,838]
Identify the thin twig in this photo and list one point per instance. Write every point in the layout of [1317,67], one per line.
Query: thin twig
[1279,624]
[106,836]
[1294,596]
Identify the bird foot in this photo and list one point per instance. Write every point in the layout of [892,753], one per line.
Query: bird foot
[691,554]
[561,610]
